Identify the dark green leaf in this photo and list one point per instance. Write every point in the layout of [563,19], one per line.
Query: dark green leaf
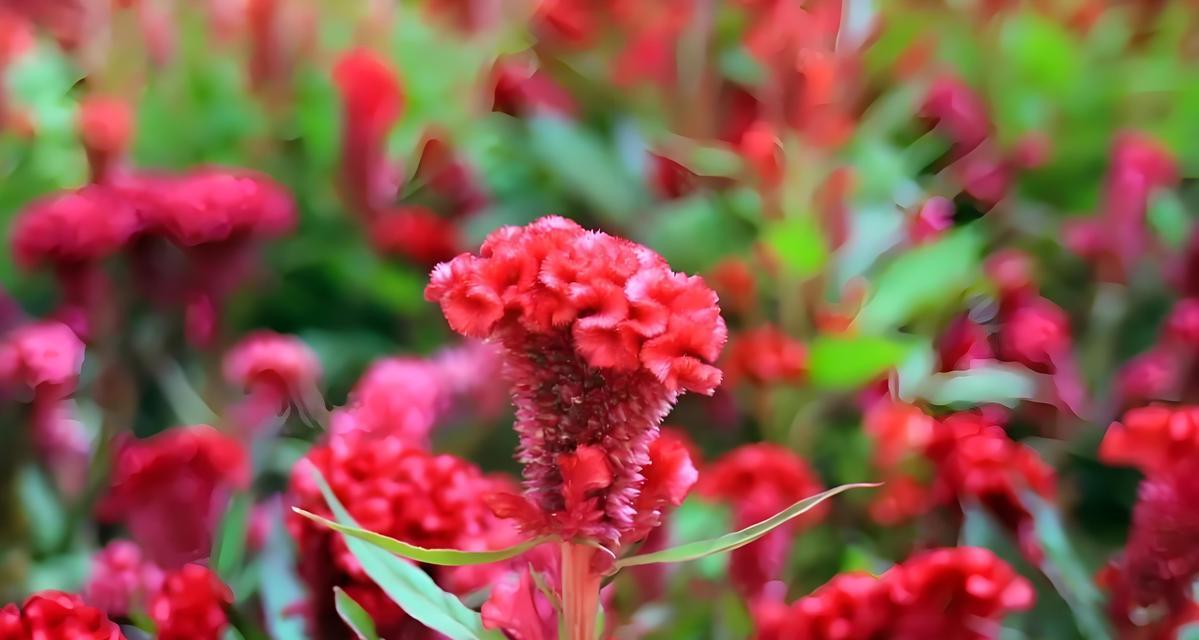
[354,615]
[736,539]
[583,164]
[442,557]
[229,544]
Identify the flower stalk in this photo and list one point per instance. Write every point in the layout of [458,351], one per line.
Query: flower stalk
[580,592]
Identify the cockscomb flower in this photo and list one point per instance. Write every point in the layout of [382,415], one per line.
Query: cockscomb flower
[976,460]
[191,605]
[851,606]
[766,355]
[1152,438]
[273,369]
[759,480]
[1156,374]
[40,363]
[1182,326]
[518,608]
[899,430]
[54,615]
[600,338]
[121,579]
[105,127]
[416,233]
[72,232]
[953,593]
[372,100]
[169,490]
[400,490]
[396,397]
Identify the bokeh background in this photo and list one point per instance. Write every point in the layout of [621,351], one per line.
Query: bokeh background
[913,205]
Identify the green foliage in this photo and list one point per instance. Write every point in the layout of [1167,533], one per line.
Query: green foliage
[847,362]
[354,615]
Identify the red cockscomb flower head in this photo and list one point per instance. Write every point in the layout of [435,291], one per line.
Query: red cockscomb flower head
[955,109]
[106,127]
[851,606]
[400,490]
[956,594]
[54,615]
[976,460]
[272,368]
[1152,438]
[1154,375]
[766,355]
[396,397]
[191,605]
[416,233]
[760,480]
[1151,583]
[669,476]
[899,430]
[216,205]
[72,228]
[169,490]
[735,283]
[930,220]
[45,357]
[1036,335]
[1183,325]
[372,100]
[600,338]
[122,579]
[901,499]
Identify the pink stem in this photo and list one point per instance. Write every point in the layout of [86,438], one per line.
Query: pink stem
[580,592]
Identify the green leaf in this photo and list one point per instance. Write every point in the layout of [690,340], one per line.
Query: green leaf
[1168,218]
[799,243]
[281,588]
[407,585]
[1065,569]
[847,362]
[583,164]
[354,615]
[229,543]
[694,233]
[736,539]
[914,371]
[931,275]
[441,557]
[999,383]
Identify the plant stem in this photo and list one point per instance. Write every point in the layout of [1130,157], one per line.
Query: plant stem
[580,592]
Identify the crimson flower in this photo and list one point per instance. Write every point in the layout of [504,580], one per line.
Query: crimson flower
[54,615]
[169,490]
[272,368]
[851,606]
[106,128]
[600,338]
[122,580]
[760,480]
[400,490]
[372,100]
[191,605]
[766,355]
[1152,438]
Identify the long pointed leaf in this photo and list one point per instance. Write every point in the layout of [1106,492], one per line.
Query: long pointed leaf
[736,539]
[407,585]
[354,615]
[442,557]
[229,545]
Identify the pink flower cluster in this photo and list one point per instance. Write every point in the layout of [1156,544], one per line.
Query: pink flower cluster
[170,489]
[760,480]
[122,580]
[54,615]
[600,338]
[191,605]
[958,593]
[273,369]
[399,490]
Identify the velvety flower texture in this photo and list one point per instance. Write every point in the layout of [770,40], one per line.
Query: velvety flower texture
[1152,438]
[121,579]
[600,338]
[191,605]
[54,615]
[759,480]
[400,490]
[169,490]
[956,593]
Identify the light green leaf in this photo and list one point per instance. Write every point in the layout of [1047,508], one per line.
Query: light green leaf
[914,371]
[229,543]
[847,362]
[442,557]
[694,233]
[927,276]
[583,164]
[407,585]
[1065,569]
[799,243]
[736,539]
[354,615]
[1168,218]
[999,383]
[280,586]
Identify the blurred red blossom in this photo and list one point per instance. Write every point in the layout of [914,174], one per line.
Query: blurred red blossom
[191,605]
[44,357]
[106,130]
[372,101]
[601,337]
[399,490]
[273,369]
[169,490]
[851,606]
[520,609]
[416,233]
[1152,438]
[54,615]
[760,480]
[765,355]
[121,579]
